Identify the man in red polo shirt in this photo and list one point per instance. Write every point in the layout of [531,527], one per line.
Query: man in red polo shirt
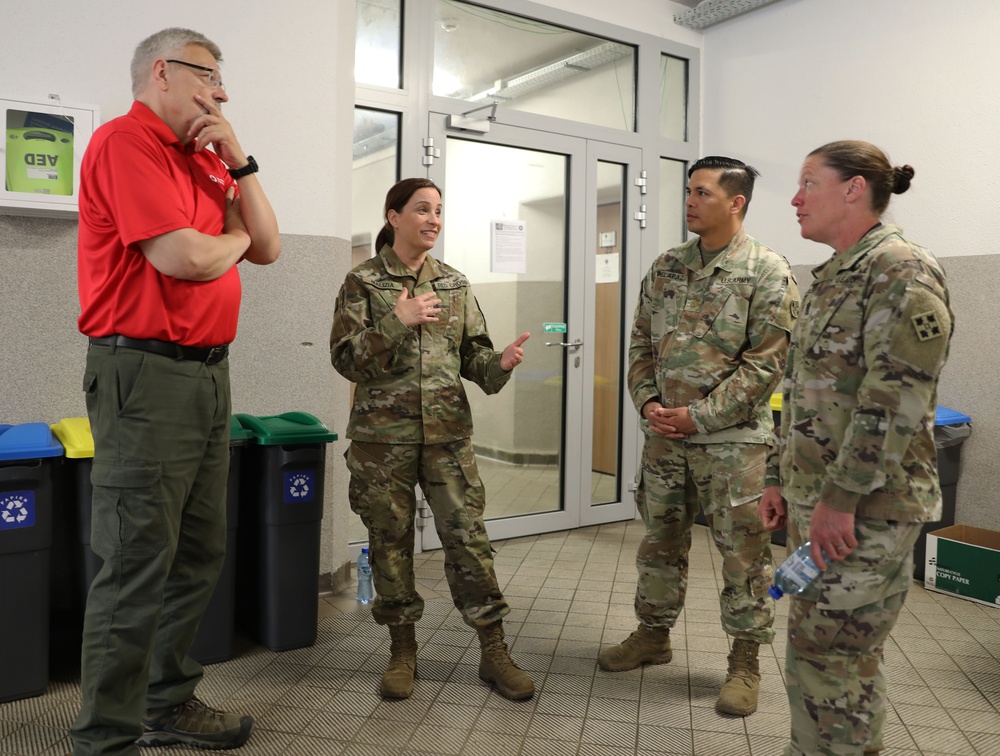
[164,220]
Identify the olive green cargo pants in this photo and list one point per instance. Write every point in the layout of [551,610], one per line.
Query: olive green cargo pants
[161,460]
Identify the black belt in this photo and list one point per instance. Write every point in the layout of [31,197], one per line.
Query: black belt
[208,355]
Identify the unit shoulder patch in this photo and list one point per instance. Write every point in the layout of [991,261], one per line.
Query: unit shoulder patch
[927,326]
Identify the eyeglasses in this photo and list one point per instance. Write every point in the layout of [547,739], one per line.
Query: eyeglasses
[214,78]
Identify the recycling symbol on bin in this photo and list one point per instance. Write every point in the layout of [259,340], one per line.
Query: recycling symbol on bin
[298,487]
[15,511]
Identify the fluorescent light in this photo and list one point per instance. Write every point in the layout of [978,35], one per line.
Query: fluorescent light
[710,12]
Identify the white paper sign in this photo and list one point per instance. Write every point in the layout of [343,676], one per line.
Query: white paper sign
[607,268]
[508,246]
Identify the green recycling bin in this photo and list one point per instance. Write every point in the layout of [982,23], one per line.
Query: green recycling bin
[215,639]
[39,161]
[281,505]
[29,456]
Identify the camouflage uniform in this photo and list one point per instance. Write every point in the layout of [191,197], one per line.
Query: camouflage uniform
[411,422]
[857,426]
[712,339]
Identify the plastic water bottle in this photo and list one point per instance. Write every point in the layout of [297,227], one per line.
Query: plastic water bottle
[796,573]
[365,591]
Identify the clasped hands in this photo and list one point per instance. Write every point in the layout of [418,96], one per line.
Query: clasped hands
[669,422]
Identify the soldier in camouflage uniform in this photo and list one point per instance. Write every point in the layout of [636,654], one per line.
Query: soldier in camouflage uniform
[858,465]
[407,329]
[708,345]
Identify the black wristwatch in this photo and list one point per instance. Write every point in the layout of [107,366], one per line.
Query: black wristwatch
[246,170]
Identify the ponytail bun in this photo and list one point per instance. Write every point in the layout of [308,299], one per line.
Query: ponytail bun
[901,176]
[387,235]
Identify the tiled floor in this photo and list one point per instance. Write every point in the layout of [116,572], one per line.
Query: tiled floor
[571,593]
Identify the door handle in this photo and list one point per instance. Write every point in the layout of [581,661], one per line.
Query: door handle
[576,344]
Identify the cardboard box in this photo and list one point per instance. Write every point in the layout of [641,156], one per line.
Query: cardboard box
[965,562]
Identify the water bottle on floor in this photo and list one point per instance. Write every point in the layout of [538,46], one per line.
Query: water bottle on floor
[796,573]
[365,591]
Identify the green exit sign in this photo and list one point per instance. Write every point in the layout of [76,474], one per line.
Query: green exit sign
[554,327]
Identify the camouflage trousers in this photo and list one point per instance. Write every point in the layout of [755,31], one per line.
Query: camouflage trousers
[383,479]
[834,670]
[725,480]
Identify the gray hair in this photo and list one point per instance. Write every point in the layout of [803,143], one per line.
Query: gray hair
[165,44]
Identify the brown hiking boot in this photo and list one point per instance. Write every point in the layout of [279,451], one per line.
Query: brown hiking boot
[647,645]
[739,693]
[195,724]
[498,668]
[397,681]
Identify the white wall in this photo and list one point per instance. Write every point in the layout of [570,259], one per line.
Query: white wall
[915,77]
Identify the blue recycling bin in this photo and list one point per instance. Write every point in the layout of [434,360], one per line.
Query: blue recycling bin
[28,457]
[215,641]
[278,542]
[951,428]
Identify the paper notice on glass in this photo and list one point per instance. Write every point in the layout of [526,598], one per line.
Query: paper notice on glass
[607,267]
[509,247]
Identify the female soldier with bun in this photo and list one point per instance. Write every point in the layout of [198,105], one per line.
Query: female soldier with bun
[858,465]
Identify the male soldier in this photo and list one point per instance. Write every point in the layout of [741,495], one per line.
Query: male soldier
[708,345]
[163,222]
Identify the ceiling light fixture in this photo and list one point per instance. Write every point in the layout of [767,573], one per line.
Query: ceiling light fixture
[506,89]
[710,12]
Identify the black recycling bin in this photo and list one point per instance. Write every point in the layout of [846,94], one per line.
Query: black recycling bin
[74,564]
[77,491]
[951,428]
[779,536]
[29,456]
[214,642]
[281,506]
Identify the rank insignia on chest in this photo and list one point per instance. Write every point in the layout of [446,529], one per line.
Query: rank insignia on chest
[927,326]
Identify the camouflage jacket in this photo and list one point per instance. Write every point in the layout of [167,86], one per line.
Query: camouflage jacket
[714,339]
[860,390]
[409,380]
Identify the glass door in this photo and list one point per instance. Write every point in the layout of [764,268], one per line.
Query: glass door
[526,214]
[611,285]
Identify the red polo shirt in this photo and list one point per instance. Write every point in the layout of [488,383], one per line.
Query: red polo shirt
[138,181]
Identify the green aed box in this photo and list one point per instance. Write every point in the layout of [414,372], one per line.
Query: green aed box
[39,160]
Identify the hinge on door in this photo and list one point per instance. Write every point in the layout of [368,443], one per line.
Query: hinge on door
[424,515]
[641,182]
[640,215]
[632,486]
[430,151]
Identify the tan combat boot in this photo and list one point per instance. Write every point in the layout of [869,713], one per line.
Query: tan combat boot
[647,645]
[498,668]
[742,686]
[397,682]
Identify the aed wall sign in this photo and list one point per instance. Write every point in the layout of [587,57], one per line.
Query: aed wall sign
[41,151]
[40,160]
